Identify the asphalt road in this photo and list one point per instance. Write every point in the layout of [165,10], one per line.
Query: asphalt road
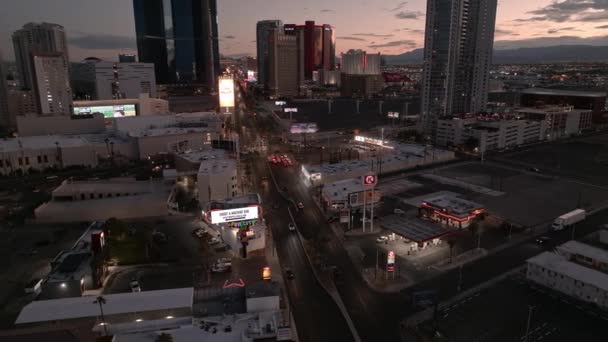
[317,316]
[377,315]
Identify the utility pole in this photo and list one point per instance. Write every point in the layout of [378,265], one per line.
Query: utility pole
[364,209]
[376,270]
[530,308]
[372,211]
[459,286]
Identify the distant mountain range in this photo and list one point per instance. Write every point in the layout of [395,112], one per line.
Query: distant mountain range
[548,54]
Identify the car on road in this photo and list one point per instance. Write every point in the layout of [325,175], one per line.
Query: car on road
[534,169]
[214,241]
[332,219]
[541,240]
[399,211]
[29,251]
[382,238]
[276,206]
[291,227]
[300,205]
[289,273]
[134,285]
[159,237]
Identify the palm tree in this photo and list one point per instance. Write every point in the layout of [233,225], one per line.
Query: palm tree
[101,301]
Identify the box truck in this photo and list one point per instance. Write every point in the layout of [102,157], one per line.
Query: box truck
[568,219]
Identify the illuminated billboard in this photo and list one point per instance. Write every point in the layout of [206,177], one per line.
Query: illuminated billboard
[251,76]
[233,215]
[301,128]
[109,112]
[226,91]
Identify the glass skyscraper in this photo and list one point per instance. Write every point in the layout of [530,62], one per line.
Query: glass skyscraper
[457,58]
[180,37]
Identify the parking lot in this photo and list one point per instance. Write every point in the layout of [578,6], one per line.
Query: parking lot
[500,313]
[529,198]
[585,158]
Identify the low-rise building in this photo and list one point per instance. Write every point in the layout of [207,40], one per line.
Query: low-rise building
[78,269]
[572,275]
[450,210]
[19,155]
[585,100]
[385,159]
[490,132]
[348,194]
[216,180]
[360,85]
[103,199]
[561,121]
[143,105]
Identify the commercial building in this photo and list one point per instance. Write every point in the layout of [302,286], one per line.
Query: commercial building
[575,269]
[584,100]
[19,155]
[489,132]
[51,84]
[139,105]
[458,47]
[359,62]
[561,121]
[319,46]
[450,210]
[78,269]
[21,102]
[387,158]
[39,38]
[217,179]
[283,64]
[348,194]
[7,121]
[180,38]
[94,79]
[127,58]
[88,201]
[360,85]
[264,30]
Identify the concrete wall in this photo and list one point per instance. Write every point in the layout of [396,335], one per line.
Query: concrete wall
[45,125]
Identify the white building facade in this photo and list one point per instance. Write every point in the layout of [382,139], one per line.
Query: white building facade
[51,84]
[490,134]
[359,62]
[217,180]
[557,273]
[105,80]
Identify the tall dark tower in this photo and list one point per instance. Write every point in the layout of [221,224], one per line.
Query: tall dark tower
[180,37]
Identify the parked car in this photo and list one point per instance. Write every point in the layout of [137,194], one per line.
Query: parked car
[332,219]
[534,169]
[399,211]
[134,285]
[291,227]
[198,232]
[214,241]
[220,268]
[300,205]
[382,238]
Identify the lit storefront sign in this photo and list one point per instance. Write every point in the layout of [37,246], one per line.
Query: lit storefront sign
[232,215]
[371,141]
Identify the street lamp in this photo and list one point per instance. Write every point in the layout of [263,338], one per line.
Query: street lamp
[101,301]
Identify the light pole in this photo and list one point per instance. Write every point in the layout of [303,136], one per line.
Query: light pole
[459,279]
[530,308]
[101,301]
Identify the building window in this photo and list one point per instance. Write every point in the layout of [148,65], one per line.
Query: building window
[39,159]
[46,159]
[27,160]
[1,163]
[20,161]
[91,196]
[82,197]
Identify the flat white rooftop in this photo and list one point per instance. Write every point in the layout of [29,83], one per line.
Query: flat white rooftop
[215,166]
[575,247]
[83,307]
[560,265]
[339,190]
[158,132]
[40,142]
[452,203]
[115,185]
[202,155]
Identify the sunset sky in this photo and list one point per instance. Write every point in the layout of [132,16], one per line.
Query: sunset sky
[105,28]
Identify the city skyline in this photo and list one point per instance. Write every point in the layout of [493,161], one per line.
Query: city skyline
[389,27]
